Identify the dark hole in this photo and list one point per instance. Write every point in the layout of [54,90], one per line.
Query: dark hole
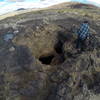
[80,84]
[46,59]
[58,47]
[69,54]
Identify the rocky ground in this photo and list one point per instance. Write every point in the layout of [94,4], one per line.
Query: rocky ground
[38,59]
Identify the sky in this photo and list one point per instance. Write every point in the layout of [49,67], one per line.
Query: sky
[11,5]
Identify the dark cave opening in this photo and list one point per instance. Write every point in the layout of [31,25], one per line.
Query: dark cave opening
[46,59]
[58,47]
[57,57]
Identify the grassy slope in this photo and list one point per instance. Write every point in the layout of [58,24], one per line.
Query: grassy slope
[91,12]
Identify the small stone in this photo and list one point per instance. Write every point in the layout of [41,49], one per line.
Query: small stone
[11,49]
[37,27]
[37,34]
[15,32]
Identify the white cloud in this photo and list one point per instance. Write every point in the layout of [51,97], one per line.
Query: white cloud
[49,2]
[1,3]
[41,4]
[95,1]
[15,0]
[14,6]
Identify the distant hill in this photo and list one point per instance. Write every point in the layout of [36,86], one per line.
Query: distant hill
[21,9]
[73,5]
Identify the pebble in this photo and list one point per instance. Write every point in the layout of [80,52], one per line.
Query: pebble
[37,27]
[15,32]
[11,49]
